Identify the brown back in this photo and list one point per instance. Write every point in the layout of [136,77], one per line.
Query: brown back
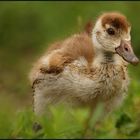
[78,45]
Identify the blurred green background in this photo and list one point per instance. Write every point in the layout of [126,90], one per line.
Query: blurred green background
[26,29]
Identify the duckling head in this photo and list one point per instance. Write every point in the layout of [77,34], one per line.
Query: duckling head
[111,33]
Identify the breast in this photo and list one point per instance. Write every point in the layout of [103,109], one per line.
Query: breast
[111,80]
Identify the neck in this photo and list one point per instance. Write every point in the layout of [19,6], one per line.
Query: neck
[108,57]
[103,57]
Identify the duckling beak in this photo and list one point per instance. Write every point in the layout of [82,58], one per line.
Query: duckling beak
[126,52]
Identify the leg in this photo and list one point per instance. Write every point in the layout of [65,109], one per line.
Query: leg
[86,124]
[98,110]
[40,104]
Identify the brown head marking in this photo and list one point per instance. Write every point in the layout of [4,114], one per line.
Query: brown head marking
[116,20]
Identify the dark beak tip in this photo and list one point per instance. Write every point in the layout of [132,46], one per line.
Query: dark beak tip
[135,61]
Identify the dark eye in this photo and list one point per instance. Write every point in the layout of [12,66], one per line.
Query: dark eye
[110,31]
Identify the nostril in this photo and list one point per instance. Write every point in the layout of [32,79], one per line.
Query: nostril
[126,49]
